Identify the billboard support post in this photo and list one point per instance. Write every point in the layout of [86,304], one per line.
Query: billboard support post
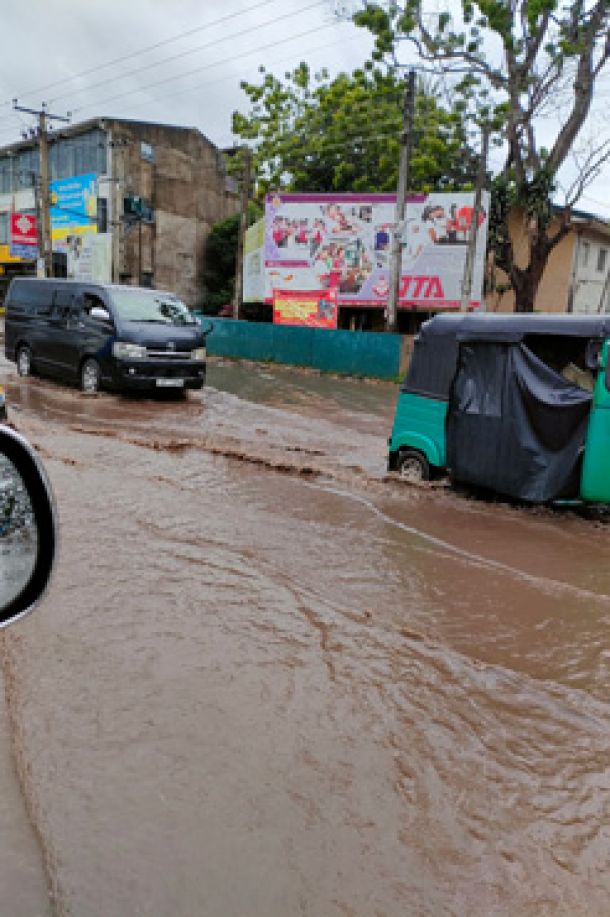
[401,196]
[243,225]
[474,223]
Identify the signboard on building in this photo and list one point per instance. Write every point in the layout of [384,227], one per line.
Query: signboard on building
[342,242]
[254,263]
[74,206]
[308,307]
[89,258]
[23,236]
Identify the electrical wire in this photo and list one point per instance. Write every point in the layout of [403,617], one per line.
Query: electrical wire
[211,44]
[145,50]
[225,79]
[170,79]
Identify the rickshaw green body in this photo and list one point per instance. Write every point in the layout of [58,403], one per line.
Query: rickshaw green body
[420,424]
[595,480]
[420,419]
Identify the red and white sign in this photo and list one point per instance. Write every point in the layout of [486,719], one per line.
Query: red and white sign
[24,230]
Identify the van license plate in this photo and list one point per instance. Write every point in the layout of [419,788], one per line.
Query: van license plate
[170,383]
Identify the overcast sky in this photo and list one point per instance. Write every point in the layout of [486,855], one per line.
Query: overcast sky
[88,57]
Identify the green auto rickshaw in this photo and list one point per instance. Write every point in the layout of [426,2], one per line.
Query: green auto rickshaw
[517,404]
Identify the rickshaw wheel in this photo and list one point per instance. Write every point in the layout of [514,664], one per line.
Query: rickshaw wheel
[413,466]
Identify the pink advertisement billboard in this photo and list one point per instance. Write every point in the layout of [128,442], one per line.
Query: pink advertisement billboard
[342,243]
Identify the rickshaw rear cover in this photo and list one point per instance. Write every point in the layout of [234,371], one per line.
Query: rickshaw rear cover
[514,425]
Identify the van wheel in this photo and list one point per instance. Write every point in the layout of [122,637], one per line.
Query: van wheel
[24,360]
[90,376]
[413,466]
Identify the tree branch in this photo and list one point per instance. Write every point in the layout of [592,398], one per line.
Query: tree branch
[587,171]
[583,83]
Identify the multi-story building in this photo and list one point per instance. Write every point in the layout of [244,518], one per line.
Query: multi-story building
[131,202]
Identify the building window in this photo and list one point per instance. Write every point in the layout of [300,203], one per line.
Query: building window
[147,152]
[80,155]
[585,253]
[102,214]
[601,259]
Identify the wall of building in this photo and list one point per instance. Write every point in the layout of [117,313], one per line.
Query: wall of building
[591,290]
[185,185]
[554,287]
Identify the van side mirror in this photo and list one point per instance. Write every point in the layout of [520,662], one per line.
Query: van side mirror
[100,314]
[28,535]
[207,328]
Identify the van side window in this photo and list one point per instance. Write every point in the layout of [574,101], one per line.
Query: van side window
[90,301]
[32,295]
[62,300]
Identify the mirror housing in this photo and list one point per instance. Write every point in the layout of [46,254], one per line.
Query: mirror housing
[28,529]
[100,315]
[592,355]
[207,328]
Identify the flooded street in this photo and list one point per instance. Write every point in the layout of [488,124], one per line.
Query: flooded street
[267,680]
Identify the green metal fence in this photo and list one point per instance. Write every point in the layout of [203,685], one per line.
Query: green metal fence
[356,353]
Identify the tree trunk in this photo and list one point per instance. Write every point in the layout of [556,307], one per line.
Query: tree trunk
[525,281]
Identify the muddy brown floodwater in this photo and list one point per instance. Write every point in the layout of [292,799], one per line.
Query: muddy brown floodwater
[267,681]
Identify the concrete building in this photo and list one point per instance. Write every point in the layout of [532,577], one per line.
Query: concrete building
[577,274]
[132,202]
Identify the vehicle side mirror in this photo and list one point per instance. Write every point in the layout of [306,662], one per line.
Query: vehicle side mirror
[207,328]
[100,315]
[28,534]
[592,355]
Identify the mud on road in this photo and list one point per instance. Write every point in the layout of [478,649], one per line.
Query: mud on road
[267,681]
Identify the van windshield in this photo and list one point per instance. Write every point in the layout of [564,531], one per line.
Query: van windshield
[154,307]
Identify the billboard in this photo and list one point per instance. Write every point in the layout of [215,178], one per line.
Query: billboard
[308,307]
[74,206]
[342,242]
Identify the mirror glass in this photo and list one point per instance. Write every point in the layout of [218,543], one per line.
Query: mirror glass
[18,534]
[100,314]
[592,355]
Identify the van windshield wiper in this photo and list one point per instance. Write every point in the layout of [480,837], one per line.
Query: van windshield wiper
[151,321]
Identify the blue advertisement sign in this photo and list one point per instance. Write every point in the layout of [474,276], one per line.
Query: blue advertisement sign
[74,205]
[26,252]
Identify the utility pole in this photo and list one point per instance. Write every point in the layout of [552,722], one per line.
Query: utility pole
[45,244]
[243,225]
[401,195]
[474,223]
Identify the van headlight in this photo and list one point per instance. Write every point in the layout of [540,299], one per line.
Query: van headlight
[123,350]
[199,353]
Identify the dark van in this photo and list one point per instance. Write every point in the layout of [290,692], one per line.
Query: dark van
[103,336]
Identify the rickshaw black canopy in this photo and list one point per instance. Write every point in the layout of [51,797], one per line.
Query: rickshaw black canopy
[436,347]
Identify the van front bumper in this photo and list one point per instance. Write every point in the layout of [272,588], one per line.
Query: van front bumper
[146,375]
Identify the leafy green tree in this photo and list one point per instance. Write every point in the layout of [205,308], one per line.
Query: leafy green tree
[313,133]
[221,251]
[511,65]
[220,255]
